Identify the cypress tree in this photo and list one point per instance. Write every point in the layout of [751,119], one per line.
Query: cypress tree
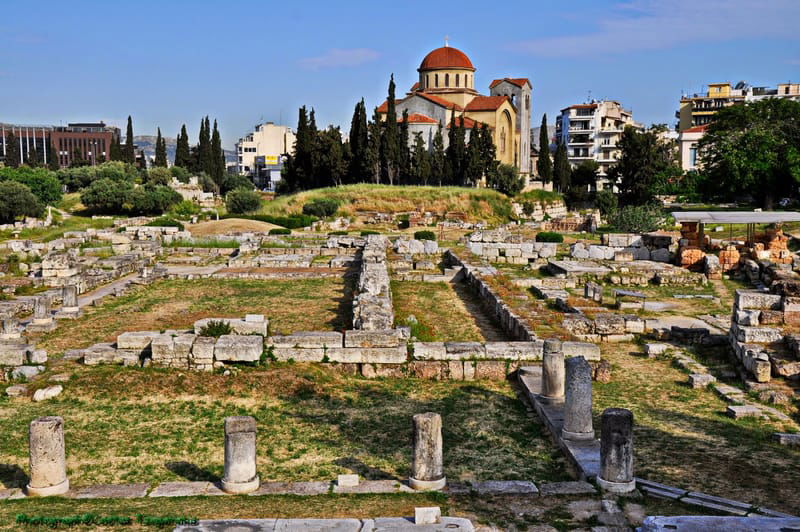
[473,163]
[405,154]
[420,162]
[390,140]
[33,158]
[488,152]
[316,179]
[544,165]
[208,158]
[183,157]
[373,156]
[53,157]
[561,168]
[456,150]
[12,150]
[217,165]
[129,155]
[115,150]
[438,158]
[203,148]
[302,153]
[142,160]
[161,151]
[359,144]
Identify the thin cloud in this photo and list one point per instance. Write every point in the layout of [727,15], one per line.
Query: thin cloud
[659,24]
[793,61]
[340,58]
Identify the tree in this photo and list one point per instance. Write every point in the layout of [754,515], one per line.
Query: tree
[203,149]
[561,168]
[52,158]
[77,159]
[488,152]
[544,165]
[644,157]
[241,201]
[12,150]
[405,153]
[217,156]
[473,163]
[582,181]
[107,195]
[183,157]
[332,166]
[17,200]
[161,151]
[41,182]
[439,168]
[34,157]
[129,153]
[754,149]
[506,180]
[420,167]
[115,150]
[360,165]
[456,150]
[390,140]
[152,199]
[159,176]
[373,155]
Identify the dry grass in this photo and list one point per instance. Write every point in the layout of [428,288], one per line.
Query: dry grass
[230,225]
[683,438]
[151,425]
[444,312]
[291,305]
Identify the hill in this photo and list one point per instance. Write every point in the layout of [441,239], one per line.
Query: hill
[148,144]
[475,203]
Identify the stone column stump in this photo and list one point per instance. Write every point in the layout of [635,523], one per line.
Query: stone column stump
[69,305]
[47,457]
[240,455]
[552,372]
[616,451]
[578,401]
[10,328]
[42,317]
[427,467]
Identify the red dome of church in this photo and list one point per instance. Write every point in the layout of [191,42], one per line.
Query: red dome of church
[444,58]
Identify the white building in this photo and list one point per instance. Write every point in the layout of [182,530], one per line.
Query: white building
[260,154]
[591,132]
[687,141]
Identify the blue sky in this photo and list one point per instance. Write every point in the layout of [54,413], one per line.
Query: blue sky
[171,62]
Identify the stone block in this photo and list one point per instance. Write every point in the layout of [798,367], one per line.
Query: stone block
[429,351]
[747,317]
[740,411]
[44,394]
[308,339]
[139,340]
[298,354]
[13,354]
[757,335]
[347,481]
[238,326]
[492,369]
[609,324]
[634,324]
[770,317]
[427,516]
[236,348]
[203,348]
[590,352]
[655,349]
[464,350]
[182,345]
[752,299]
[381,338]
[514,350]
[367,355]
[701,380]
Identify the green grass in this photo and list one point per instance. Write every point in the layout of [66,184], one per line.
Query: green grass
[46,234]
[203,243]
[475,203]
[539,196]
[153,424]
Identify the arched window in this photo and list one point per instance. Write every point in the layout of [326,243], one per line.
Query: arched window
[447,80]
[457,81]
[436,79]
[527,102]
[502,140]
[427,81]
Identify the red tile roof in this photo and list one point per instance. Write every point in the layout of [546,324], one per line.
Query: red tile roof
[468,122]
[519,82]
[486,103]
[446,57]
[418,118]
[415,86]
[384,107]
[696,129]
[438,100]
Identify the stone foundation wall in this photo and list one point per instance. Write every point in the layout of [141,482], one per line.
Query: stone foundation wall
[503,247]
[372,303]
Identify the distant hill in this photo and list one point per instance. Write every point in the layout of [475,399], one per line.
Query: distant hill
[148,144]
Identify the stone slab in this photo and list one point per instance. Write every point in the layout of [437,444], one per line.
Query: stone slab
[740,411]
[713,506]
[729,524]
[505,487]
[318,525]
[391,524]
[308,339]
[374,486]
[235,348]
[720,500]
[293,488]
[381,338]
[185,489]
[111,491]
[578,487]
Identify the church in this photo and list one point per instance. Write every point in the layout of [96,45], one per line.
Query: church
[447,84]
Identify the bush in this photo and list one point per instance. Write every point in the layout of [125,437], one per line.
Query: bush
[159,176]
[549,236]
[179,173]
[107,196]
[232,182]
[321,208]
[153,199]
[606,202]
[185,209]
[506,179]
[424,235]
[636,219]
[367,233]
[216,328]
[241,201]
[83,176]
[166,221]
[42,182]
[403,221]
[17,200]
[280,231]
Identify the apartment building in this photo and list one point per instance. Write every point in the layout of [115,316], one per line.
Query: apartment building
[260,154]
[91,141]
[592,131]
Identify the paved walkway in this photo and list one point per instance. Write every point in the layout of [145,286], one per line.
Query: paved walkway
[380,524]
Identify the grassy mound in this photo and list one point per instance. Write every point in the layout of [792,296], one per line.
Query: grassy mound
[476,204]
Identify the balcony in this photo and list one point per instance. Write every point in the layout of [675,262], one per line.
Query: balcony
[610,130]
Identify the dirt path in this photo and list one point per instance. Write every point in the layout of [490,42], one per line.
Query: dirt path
[490,329]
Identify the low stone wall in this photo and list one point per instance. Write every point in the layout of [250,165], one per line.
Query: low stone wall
[607,327]
[513,325]
[372,303]
[626,247]
[501,246]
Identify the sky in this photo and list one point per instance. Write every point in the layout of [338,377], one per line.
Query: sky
[170,62]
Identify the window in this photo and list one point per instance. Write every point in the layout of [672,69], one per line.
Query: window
[786,90]
[447,80]
[436,79]
[457,81]
[527,102]
[693,156]
[427,81]
[502,140]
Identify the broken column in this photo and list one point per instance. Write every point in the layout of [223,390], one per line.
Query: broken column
[42,317]
[616,451]
[552,372]
[47,457]
[240,455]
[10,328]
[69,305]
[427,467]
[578,400]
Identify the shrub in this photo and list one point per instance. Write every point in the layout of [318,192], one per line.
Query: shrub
[42,182]
[166,221]
[185,209]
[179,173]
[241,201]
[367,233]
[107,196]
[17,200]
[216,328]
[280,231]
[424,235]
[549,236]
[506,179]
[403,221]
[606,202]
[636,219]
[159,176]
[83,176]
[232,182]
[153,199]
[321,208]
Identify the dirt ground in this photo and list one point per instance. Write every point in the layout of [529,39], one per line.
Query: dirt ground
[231,225]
